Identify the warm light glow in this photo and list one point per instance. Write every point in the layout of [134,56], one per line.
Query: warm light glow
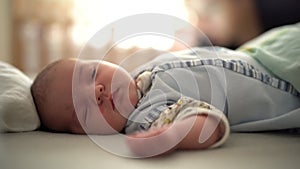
[92,15]
[146,41]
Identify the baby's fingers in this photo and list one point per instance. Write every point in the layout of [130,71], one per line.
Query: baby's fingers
[151,143]
[149,133]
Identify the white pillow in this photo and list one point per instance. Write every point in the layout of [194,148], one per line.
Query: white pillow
[17,110]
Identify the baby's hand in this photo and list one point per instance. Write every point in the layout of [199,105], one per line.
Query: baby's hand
[152,143]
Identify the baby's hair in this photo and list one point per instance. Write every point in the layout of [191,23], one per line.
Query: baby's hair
[39,91]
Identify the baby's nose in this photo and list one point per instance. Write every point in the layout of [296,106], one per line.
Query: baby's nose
[99,93]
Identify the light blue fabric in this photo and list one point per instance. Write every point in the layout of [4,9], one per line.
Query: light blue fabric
[279,51]
[246,102]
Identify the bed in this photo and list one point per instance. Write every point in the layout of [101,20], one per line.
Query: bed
[23,145]
[45,150]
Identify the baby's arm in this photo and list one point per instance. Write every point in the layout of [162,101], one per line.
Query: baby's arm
[183,134]
[191,140]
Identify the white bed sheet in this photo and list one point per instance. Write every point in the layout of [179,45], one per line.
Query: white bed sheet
[42,150]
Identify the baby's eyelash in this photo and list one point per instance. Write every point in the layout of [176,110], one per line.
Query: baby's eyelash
[93,73]
[85,116]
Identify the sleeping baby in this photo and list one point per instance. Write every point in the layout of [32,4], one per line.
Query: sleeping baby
[183,100]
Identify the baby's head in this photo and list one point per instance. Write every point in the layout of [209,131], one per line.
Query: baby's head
[77,96]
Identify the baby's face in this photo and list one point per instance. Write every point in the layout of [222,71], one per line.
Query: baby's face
[91,97]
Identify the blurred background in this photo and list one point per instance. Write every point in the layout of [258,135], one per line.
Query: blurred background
[34,33]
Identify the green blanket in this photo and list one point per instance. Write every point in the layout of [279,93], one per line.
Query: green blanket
[279,51]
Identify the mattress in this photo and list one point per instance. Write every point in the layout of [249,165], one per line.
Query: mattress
[38,149]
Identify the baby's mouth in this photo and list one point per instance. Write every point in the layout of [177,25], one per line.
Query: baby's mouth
[112,103]
[113,99]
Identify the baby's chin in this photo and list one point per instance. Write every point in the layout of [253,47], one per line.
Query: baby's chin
[128,109]
[129,104]
[133,95]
